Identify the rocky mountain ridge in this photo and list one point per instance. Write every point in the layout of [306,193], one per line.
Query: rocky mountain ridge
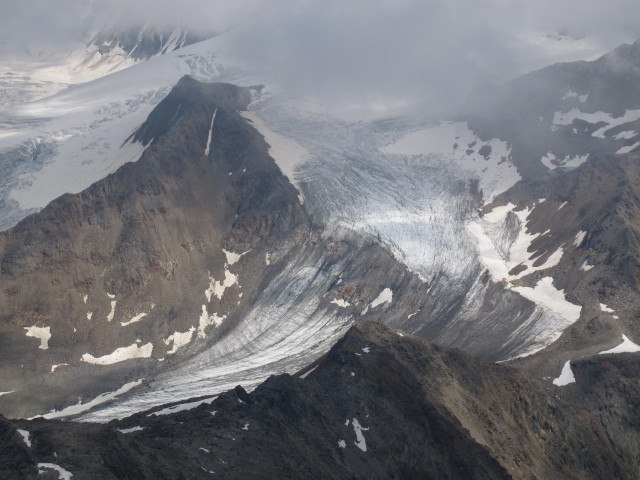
[380,404]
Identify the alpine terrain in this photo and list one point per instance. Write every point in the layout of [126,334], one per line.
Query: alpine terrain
[201,275]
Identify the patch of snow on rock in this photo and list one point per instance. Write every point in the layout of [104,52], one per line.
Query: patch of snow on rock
[179,339]
[26,437]
[182,407]
[340,302]
[120,354]
[62,473]
[385,296]
[604,308]
[83,407]
[360,440]
[233,257]
[585,266]
[43,333]
[207,148]
[627,346]
[135,319]
[207,320]
[566,376]
[567,118]
[628,148]
[131,430]
[579,238]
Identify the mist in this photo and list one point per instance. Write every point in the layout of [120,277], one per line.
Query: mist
[356,56]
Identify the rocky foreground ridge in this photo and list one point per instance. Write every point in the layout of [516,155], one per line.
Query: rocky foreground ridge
[380,404]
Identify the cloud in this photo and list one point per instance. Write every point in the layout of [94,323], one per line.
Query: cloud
[360,54]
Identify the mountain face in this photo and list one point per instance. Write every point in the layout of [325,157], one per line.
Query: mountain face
[379,405]
[559,116]
[225,233]
[201,243]
[111,274]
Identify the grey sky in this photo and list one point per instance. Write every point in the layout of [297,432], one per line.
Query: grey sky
[362,53]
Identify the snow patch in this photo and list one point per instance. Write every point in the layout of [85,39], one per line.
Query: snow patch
[26,437]
[217,288]
[628,148]
[604,308]
[131,430]
[43,333]
[366,350]
[287,153]
[7,393]
[340,302]
[566,376]
[579,238]
[585,266]
[89,315]
[135,319]
[233,257]
[385,296]
[207,320]
[360,442]
[182,407]
[120,354]
[552,162]
[62,473]
[567,118]
[627,346]
[546,295]
[306,374]
[342,444]
[113,311]
[498,264]
[626,135]
[179,339]
[83,407]
[54,367]
[206,149]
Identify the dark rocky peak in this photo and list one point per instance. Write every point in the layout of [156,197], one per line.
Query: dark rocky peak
[136,263]
[190,97]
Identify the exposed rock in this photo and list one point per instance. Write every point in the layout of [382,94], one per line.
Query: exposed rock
[379,405]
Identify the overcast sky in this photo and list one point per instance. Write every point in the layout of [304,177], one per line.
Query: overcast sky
[362,53]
